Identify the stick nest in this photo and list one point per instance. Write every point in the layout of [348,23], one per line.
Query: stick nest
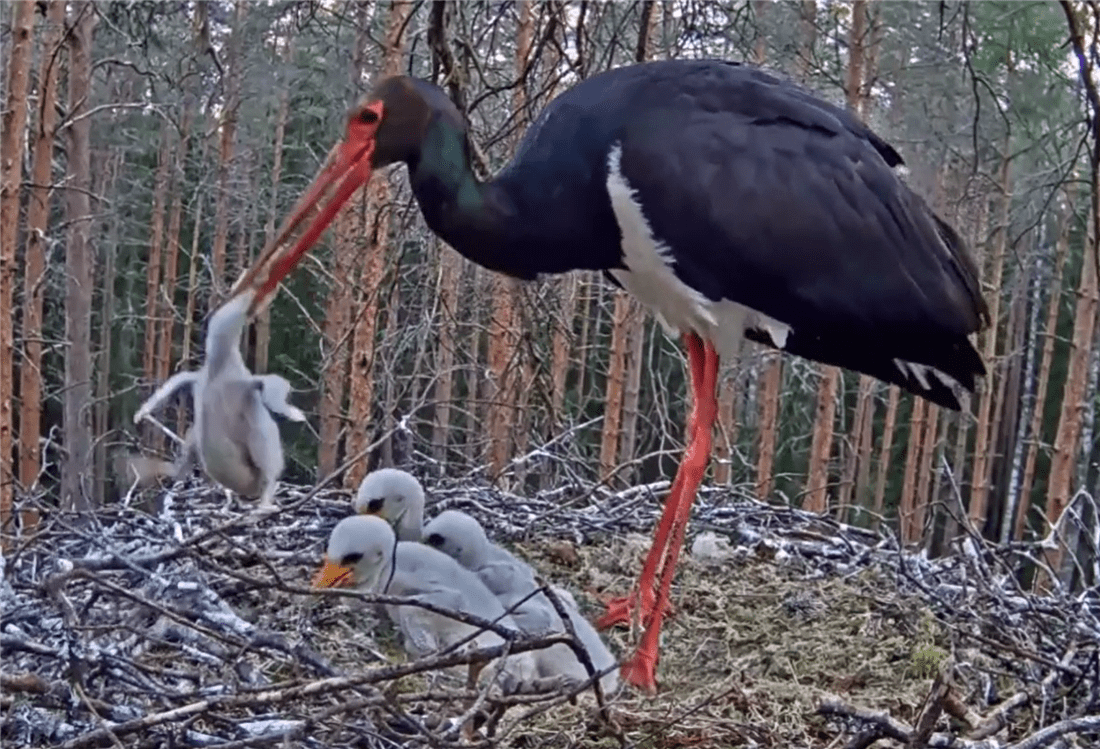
[196,627]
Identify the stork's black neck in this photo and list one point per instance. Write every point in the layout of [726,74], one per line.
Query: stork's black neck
[495,224]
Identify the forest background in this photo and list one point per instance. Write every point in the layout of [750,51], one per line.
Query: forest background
[150,148]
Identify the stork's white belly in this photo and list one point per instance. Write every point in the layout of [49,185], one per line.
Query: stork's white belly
[650,278]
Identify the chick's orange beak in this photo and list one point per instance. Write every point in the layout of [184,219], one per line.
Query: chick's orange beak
[347,167]
[332,575]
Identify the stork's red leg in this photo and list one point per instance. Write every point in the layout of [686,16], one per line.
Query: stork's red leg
[642,597]
[640,669]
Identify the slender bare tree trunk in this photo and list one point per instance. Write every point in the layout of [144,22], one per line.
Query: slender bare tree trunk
[378,206]
[450,277]
[1061,250]
[930,443]
[520,377]
[228,131]
[77,467]
[194,259]
[978,240]
[884,456]
[1074,394]
[616,384]
[1006,411]
[979,490]
[822,442]
[773,369]
[193,272]
[12,144]
[633,393]
[504,355]
[154,438]
[34,275]
[263,320]
[589,290]
[338,326]
[857,468]
[561,343]
[906,504]
[106,174]
[769,419]
[166,312]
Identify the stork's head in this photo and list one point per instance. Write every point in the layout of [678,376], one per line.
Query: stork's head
[396,497]
[359,549]
[460,537]
[388,126]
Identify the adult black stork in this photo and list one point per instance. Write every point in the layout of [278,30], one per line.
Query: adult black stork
[734,204]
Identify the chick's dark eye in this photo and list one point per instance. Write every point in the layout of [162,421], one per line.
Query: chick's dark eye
[375,505]
[435,540]
[351,559]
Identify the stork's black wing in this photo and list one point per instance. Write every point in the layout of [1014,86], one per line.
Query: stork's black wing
[799,215]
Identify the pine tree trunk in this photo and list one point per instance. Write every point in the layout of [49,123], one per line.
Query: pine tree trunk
[1006,412]
[616,384]
[106,175]
[769,413]
[817,482]
[864,448]
[12,145]
[378,210]
[726,444]
[77,468]
[821,447]
[506,356]
[907,500]
[263,320]
[1028,381]
[979,491]
[884,456]
[1050,328]
[588,289]
[166,308]
[632,396]
[228,130]
[561,344]
[38,214]
[930,444]
[1074,395]
[450,278]
[193,276]
[858,436]
[154,438]
[978,240]
[862,67]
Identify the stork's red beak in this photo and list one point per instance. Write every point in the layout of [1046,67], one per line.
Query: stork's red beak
[347,167]
[332,575]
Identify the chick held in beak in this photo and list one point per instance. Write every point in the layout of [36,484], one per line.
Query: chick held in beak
[332,575]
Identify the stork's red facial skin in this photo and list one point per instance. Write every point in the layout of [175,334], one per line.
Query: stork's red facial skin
[352,163]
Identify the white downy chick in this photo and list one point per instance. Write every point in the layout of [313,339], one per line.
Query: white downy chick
[361,554]
[462,537]
[234,436]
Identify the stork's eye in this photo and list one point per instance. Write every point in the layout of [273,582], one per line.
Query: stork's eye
[435,540]
[351,560]
[367,116]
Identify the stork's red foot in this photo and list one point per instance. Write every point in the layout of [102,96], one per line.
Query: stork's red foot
[620,611]
[641,671]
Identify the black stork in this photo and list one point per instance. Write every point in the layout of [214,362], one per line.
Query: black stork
[731,202]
